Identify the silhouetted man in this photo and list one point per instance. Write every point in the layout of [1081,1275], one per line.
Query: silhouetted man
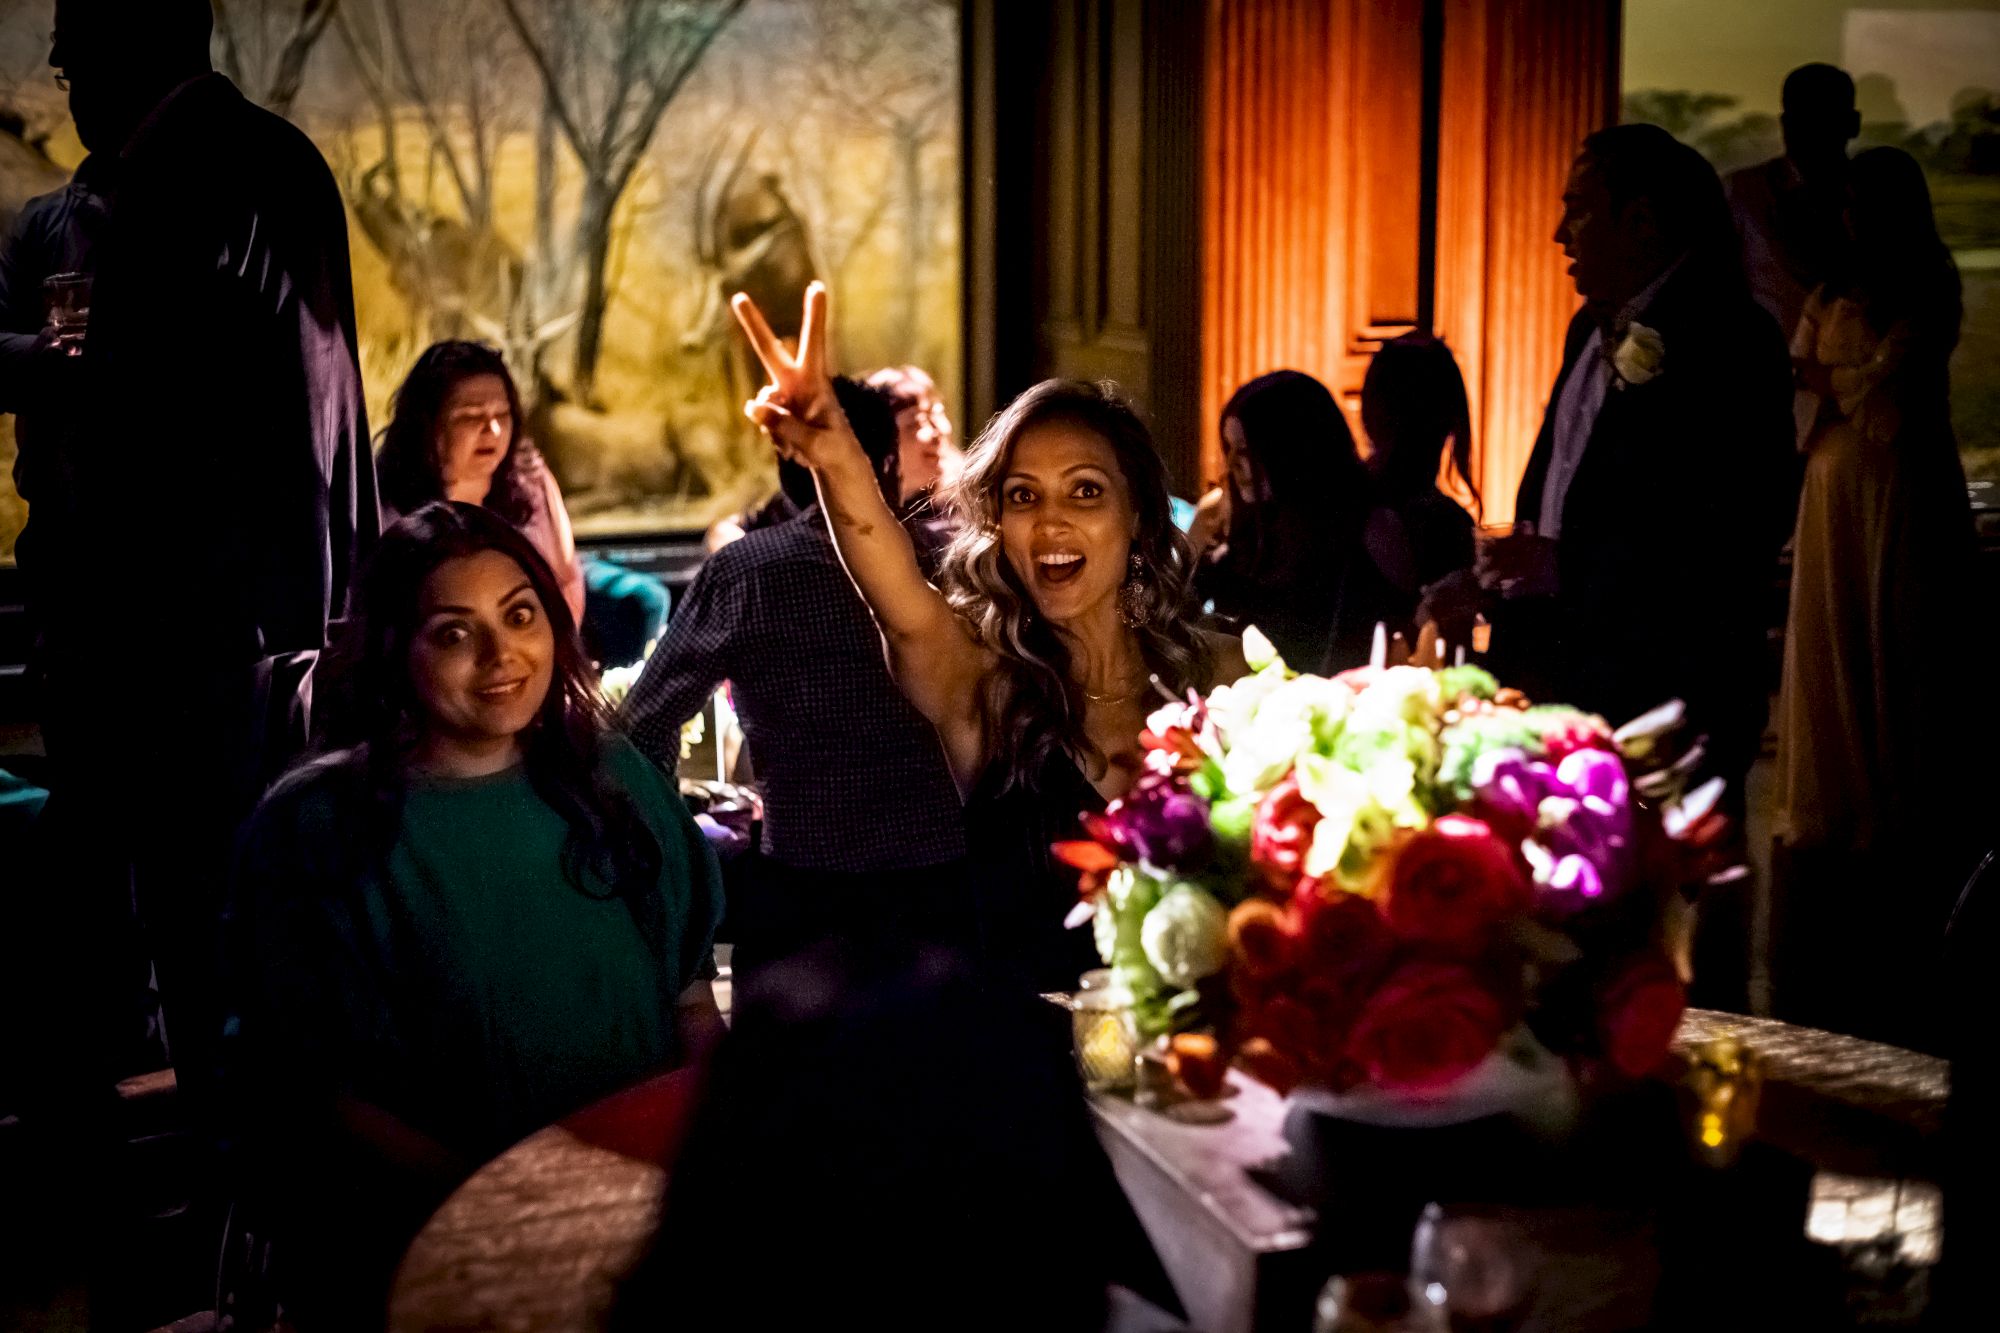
[1788,210]
[1660,486]
[221,491]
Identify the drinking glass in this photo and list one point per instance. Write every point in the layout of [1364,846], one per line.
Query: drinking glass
[1375,1303]
[66,309]
[1470,1264]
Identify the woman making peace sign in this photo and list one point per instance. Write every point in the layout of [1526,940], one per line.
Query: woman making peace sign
[1064,595]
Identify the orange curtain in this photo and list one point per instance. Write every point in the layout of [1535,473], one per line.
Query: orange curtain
[1274,215]
[1299,141]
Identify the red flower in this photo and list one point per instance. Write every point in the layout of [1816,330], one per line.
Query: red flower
[1571,732]
[1093,861]
[1453,883]
[1429,1024]
[1269,1065]
[1639,1015]
[1282,834]
[1289,1026]
[1342,941]
[1262,938]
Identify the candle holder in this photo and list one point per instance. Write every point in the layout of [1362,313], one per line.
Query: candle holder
[1723,1084]
[1107,1040]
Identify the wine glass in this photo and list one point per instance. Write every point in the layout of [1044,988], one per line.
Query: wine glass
[1470,1263]
[1375,1303]
[66,309]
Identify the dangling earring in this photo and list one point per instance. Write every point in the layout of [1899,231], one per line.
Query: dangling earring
[1133,599]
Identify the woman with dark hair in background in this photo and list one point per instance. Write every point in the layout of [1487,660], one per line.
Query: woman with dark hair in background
[1413,408]
[1872,748]
[455,434]
[486,912]
[1274,545]
[1064,599]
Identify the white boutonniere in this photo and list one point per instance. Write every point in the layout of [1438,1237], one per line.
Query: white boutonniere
[1640,355]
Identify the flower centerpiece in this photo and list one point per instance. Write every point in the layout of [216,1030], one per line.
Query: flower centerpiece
[1401,887]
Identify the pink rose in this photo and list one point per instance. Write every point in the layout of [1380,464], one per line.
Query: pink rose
[1282,834]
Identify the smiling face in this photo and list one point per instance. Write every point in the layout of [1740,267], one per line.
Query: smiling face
[474,430]
[1067,520]
[481,661]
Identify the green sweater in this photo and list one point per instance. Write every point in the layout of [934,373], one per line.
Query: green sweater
[465,986]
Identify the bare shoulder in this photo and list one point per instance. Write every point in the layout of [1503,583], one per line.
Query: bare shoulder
[1226,651]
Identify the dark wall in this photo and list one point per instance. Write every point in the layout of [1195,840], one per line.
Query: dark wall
[1083,204]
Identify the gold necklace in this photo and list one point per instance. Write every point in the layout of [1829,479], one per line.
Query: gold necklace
[1132,693]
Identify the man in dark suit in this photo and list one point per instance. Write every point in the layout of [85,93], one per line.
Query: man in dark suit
[220,492]
[1662,485]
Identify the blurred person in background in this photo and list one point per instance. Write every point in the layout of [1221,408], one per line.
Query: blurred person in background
[1273,545]
[1881,793]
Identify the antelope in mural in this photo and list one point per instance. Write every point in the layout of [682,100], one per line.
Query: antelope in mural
[747,238]
[455,277]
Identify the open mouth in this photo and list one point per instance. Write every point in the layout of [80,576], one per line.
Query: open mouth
[502,692]
[1059,567]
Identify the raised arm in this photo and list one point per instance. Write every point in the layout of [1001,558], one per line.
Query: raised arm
[934,658]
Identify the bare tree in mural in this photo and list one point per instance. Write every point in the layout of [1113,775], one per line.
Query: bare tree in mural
[264,45]
[891,68]
[454,268]
[609,70]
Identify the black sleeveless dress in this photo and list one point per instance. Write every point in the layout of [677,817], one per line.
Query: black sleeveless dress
[1024,892]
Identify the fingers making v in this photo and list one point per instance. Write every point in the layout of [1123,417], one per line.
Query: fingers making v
[796,375]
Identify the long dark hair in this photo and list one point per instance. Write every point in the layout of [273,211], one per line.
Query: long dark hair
[1299,441]
[1033,707]
[1413,406]
[406,460]
[1898,266]
[377,719]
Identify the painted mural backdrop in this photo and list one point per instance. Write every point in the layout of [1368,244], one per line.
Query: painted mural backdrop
[581,182]
[1927,80]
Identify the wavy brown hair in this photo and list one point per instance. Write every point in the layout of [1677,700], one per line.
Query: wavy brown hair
[1032,706]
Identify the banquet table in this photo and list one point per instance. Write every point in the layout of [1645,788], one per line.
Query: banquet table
[540,1237]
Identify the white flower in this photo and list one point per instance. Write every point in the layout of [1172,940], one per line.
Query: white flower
[1186,936]
[1400,694]
[1288,722]
[1358,810]
[1259,651]
[1639,356]
[1230,707]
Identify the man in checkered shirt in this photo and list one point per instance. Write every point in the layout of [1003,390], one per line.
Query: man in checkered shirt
[862,823]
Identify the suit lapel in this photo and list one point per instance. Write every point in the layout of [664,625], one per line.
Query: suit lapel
[1611,435]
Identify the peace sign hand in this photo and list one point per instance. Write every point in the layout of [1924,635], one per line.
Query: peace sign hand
[797,409]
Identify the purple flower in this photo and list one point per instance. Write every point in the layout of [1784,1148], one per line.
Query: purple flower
[1574,820]
[1159,822]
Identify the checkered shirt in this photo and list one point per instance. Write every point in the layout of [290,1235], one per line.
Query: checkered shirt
[853,777]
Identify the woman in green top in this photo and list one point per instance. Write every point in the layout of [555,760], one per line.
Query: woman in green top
[485,913]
